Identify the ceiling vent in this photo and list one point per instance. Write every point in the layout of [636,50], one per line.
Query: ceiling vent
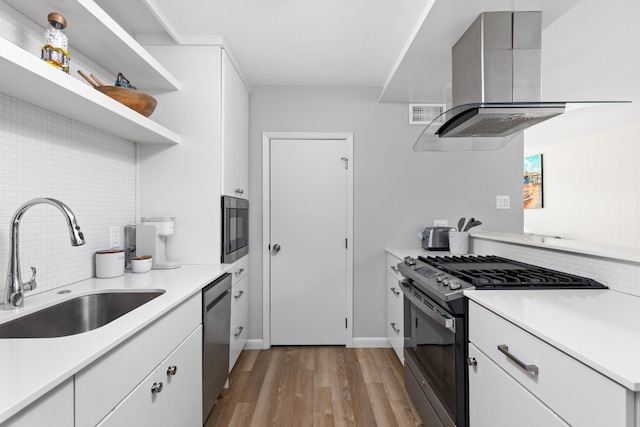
[424,114]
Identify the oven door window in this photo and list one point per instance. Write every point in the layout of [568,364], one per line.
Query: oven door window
[432,347]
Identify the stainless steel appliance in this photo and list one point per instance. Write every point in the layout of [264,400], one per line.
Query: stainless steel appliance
[235,229]
[216,324]
[436,324]
[436,238]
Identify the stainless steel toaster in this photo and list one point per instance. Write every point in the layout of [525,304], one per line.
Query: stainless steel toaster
[436,238]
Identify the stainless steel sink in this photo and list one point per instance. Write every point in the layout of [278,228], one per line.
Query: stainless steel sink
[76,315]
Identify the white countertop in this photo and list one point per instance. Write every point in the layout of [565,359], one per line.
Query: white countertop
[414,252]
[32,367]
[600,328]
[574,246]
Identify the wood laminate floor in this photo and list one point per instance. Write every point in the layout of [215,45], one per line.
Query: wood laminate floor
[315,386]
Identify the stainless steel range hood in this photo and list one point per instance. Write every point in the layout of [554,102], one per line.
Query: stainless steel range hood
[496,85]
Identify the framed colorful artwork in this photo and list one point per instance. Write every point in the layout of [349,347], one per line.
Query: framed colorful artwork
[532,190]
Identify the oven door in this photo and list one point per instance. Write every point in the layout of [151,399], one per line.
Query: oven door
[434,352]
[235,228]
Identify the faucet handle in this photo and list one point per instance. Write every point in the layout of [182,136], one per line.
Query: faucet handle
[31,284]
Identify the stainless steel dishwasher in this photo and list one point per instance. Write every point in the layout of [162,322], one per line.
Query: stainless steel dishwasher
[216,322]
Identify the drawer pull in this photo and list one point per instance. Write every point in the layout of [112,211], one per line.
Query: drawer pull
[239,272]
[172,370]
[396,293]
[395,269]
[533,369]
[237,334]
[156,388]
[237,297]
[393,326]
[471,361]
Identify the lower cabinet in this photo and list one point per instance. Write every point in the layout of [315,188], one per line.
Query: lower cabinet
[496,399]
[170,396]
[515,378]
[125,373]
[54,409]
[395,307]
[239,317]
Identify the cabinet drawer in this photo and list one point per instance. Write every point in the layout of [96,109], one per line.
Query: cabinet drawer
[395,330]
[577,393]
[239,320]
[497,400]
[100,387]
[239,270]
[392,262]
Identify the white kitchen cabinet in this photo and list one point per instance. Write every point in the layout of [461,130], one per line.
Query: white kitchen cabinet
[101,386]
[497,400]
[54,409]
[170,396]
[185,180]
[27,77]
[395,307]
[239,310]
[235,132]
[577,394]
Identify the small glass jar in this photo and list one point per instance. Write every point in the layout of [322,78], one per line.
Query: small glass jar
[55,49]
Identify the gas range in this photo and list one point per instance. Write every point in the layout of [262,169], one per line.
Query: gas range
[444,278]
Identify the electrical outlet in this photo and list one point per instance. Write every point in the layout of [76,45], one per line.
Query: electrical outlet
[440,223]
[115,236]
[503,202]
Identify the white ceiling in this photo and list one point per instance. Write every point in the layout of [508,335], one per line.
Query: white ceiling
[291,42]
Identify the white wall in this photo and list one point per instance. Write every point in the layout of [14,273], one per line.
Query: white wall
[590,156]
[397,191]
[592,189]
[43,154]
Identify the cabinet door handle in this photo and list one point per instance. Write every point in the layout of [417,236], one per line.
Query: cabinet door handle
[395,269]
[239,191]
[396,293]
[532,369]
[237,297]
[393,326]
[156,388]
[237,334]
[239,272]
[171,370]
[471,361]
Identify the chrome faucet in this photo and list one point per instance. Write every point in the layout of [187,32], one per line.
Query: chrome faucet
[15,289]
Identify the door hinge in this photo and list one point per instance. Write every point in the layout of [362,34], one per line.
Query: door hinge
[345,323]
[346,162]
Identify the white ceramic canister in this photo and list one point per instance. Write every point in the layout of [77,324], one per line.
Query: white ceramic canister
[109,263]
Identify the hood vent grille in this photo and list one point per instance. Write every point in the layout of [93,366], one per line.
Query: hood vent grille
[423,114]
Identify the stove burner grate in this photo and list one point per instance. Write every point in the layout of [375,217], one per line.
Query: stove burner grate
[492,272]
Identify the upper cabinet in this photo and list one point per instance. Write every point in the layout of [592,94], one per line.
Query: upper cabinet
[97,36]
[235,132]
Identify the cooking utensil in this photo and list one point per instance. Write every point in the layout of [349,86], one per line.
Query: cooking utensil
[461,223]
[473,223]
[91,82]
[467,226]
[97,80]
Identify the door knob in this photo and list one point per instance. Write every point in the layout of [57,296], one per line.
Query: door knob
[276,248]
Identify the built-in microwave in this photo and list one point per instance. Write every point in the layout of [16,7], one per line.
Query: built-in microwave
[235,229]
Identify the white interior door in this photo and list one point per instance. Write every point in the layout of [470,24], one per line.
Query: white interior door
[308,260]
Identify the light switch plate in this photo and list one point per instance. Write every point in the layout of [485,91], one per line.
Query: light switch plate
[115,236]
[503,202]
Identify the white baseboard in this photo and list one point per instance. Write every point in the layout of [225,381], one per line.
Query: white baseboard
[373,342]
[254,344]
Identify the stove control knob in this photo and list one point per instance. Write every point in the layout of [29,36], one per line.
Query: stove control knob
[445,282]
[439,277]
[455,285]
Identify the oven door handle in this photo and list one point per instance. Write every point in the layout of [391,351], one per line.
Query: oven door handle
[429,309]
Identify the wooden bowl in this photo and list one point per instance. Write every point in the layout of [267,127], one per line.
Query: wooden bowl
[134,99]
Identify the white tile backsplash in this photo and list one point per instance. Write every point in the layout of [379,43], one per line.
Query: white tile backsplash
[44,154]
[621,276]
